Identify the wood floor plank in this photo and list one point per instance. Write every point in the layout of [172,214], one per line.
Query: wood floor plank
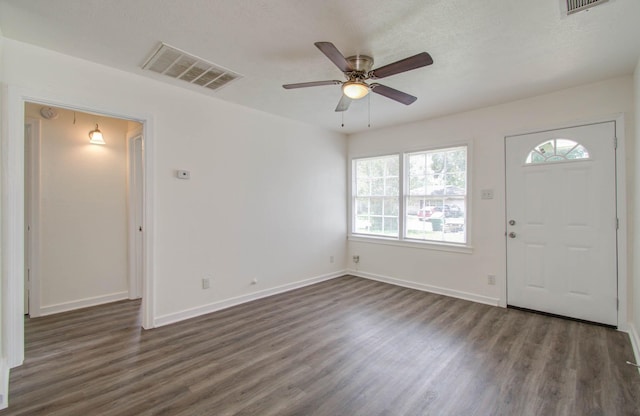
[348,346]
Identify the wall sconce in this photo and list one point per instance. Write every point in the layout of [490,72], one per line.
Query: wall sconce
[95,136]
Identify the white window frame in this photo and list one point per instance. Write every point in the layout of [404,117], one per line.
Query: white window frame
[402,241]
[426,197]
[353,197]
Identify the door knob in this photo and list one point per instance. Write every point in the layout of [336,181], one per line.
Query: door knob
[512,235]
[512,222]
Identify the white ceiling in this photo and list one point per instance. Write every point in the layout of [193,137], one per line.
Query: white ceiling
[485,52]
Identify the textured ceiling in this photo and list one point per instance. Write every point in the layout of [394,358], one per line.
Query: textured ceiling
[485,52]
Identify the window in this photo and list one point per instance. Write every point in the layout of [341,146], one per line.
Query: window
[436,195]
[557,150]
[376,191]
[433,206]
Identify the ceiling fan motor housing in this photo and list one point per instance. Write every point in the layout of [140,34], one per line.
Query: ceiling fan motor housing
[361,63]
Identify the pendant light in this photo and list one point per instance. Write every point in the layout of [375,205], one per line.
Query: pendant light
[95,136]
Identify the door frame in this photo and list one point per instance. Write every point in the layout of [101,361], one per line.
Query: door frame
[135,198]
[621,206]
[12,206]
[32,216]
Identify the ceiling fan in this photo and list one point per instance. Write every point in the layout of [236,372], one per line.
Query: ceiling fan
[357,69]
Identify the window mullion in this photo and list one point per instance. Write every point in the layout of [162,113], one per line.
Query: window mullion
[402,191]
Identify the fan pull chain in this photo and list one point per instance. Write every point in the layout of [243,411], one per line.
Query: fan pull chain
[342,114]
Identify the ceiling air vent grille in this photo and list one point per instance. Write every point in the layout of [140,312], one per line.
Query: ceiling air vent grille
[575,6]
[174,63]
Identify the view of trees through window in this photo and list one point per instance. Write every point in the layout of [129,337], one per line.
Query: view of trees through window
[557,150]
[432,206]
[377,187]
[436,200]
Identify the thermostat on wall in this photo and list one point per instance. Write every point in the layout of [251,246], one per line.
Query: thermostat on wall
[184,174]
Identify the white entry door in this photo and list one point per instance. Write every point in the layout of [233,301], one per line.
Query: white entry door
[561,222]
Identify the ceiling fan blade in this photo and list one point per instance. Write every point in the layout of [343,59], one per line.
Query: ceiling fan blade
[399,96]
[343,104]
[404,65]
[334,55]
[311,84]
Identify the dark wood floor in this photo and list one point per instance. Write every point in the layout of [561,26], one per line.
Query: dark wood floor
[348,346]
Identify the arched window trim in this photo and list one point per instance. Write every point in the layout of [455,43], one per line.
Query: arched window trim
[540,155]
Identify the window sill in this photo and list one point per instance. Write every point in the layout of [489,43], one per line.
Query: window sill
[426,245]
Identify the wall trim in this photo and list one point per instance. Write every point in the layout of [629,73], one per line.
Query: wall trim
[635,342]
[428,288]
[32,215]
[4,384]
[135,200]
[83,303]
[227,303]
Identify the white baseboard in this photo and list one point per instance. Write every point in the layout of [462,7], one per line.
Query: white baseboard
[635,342]
[82,303]
[227,303]
[4,384]
[428,288]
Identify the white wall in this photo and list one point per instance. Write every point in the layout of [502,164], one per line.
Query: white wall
[635,317]
[462,274]
[4,368]
[266,198]
[83,211]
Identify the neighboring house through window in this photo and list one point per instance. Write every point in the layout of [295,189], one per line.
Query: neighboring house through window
[415,197]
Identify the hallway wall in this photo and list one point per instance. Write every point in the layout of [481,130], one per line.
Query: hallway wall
[83,212]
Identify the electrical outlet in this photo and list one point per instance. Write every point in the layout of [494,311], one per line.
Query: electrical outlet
[491,280]
[331,259]
[206,283]
[356,259]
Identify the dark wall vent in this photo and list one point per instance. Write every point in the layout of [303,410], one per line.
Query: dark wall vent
[174,63]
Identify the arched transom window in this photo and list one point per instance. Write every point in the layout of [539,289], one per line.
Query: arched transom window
[557,150]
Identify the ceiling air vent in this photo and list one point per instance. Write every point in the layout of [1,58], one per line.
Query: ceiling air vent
[575,6]
[174,63]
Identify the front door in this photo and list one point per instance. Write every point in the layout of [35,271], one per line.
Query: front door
[561,222]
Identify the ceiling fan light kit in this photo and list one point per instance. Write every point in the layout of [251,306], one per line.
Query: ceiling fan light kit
[355,89]
[357,70]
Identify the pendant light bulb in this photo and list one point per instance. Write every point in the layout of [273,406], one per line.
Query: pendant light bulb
[95,136]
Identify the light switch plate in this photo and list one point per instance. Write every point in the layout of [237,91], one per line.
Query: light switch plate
[486,194]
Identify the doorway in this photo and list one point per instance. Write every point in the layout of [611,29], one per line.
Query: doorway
[13,214]
[78,196]
[562,222]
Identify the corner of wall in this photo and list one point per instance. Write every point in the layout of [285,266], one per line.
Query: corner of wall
[635,342]
[634,336]
[1,57]
[4,384]
[4,367]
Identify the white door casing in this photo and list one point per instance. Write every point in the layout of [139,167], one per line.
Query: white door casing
[28,240]
[32,217]
[561,257]
[135,190]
